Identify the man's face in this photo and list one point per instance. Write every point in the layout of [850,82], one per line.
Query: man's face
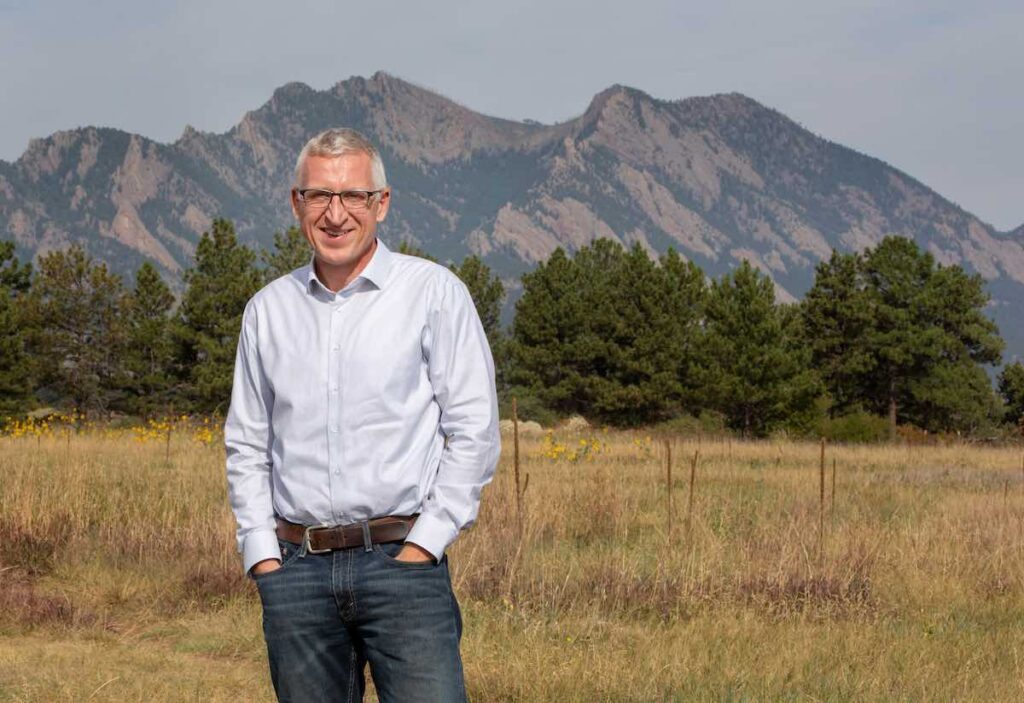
[342,239]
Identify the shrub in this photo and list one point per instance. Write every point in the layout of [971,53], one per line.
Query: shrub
[708,423]
[859,426]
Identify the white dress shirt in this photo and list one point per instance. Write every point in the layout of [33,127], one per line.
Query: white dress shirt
[342,403]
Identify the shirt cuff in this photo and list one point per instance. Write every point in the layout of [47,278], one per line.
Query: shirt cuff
[433,534]
[259,545]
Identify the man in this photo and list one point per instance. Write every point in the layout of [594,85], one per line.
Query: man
[362,428]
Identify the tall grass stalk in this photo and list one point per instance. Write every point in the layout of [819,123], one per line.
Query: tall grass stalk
[670,509]
[693,488]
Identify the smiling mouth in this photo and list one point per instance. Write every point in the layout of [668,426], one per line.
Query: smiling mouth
[335,234]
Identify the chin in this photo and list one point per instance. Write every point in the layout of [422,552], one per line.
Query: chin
[333,259]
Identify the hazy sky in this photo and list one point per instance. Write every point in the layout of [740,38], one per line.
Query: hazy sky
[933,88]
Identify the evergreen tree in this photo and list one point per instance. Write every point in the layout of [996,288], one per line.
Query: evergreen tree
[1011,388]
[15,277]
[15,370]
[209,318]
[633,376]
[954,397]
[149,357]
[409,249]
[903,345]
[291,250]
[488,295]
[836,316]
[78,308]
[954,303]
[756,372]
[609,334]
[549,321]
[683,298]
[890,330]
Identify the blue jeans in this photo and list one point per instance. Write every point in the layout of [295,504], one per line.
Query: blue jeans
[326,615]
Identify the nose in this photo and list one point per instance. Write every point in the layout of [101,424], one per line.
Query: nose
[335,211]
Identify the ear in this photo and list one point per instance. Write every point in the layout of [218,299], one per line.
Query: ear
[295,204]
[383,204]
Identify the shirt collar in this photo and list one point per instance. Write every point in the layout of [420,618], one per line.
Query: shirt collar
[376,271]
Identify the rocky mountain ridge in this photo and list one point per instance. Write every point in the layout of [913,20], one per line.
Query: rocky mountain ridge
[720,178]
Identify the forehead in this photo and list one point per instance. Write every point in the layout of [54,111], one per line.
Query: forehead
[348,171]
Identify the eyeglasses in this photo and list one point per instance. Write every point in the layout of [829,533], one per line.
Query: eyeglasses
[353,200]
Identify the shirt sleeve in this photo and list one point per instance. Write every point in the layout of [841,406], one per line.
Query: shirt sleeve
[248,440]
[461,371]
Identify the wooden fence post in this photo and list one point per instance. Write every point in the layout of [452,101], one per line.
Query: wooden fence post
[515,461]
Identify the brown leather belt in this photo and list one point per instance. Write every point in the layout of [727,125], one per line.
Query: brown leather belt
[318,539]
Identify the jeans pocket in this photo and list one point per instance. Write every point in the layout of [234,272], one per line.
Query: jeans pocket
[389,550]
[289,553]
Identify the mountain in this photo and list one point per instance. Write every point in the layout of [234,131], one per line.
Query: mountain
[720,178]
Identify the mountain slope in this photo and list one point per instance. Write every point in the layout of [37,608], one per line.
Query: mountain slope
[720,178]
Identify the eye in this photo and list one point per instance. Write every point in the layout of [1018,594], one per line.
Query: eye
[317,197]
[355,198]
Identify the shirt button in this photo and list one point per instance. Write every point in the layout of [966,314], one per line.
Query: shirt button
[336,347]
[334,390]
[337,472]
[334,430]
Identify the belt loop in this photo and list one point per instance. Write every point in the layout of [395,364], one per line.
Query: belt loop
[367,541]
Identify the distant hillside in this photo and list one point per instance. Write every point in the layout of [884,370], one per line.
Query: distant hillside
[720,178]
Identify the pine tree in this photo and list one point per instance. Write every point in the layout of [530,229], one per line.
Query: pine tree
[548,322]
[15,277]
[755,370]
[897,335]
[609,334]
[15,370]
[684,298]
[409,249]
[954,397]
[78,308]
[1011,388]
[291,250]
[209,318]
[634,379]
[488,294]
[149,357]
[836,316]
[903,345]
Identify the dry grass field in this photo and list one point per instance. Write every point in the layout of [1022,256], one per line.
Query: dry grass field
[119,580]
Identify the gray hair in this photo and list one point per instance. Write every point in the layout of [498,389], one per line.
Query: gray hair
[338,142]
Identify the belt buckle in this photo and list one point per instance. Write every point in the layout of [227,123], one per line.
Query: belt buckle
[305,540]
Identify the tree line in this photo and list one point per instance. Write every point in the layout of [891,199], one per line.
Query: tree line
[884,337]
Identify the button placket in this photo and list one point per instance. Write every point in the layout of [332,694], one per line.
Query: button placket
[334,454]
